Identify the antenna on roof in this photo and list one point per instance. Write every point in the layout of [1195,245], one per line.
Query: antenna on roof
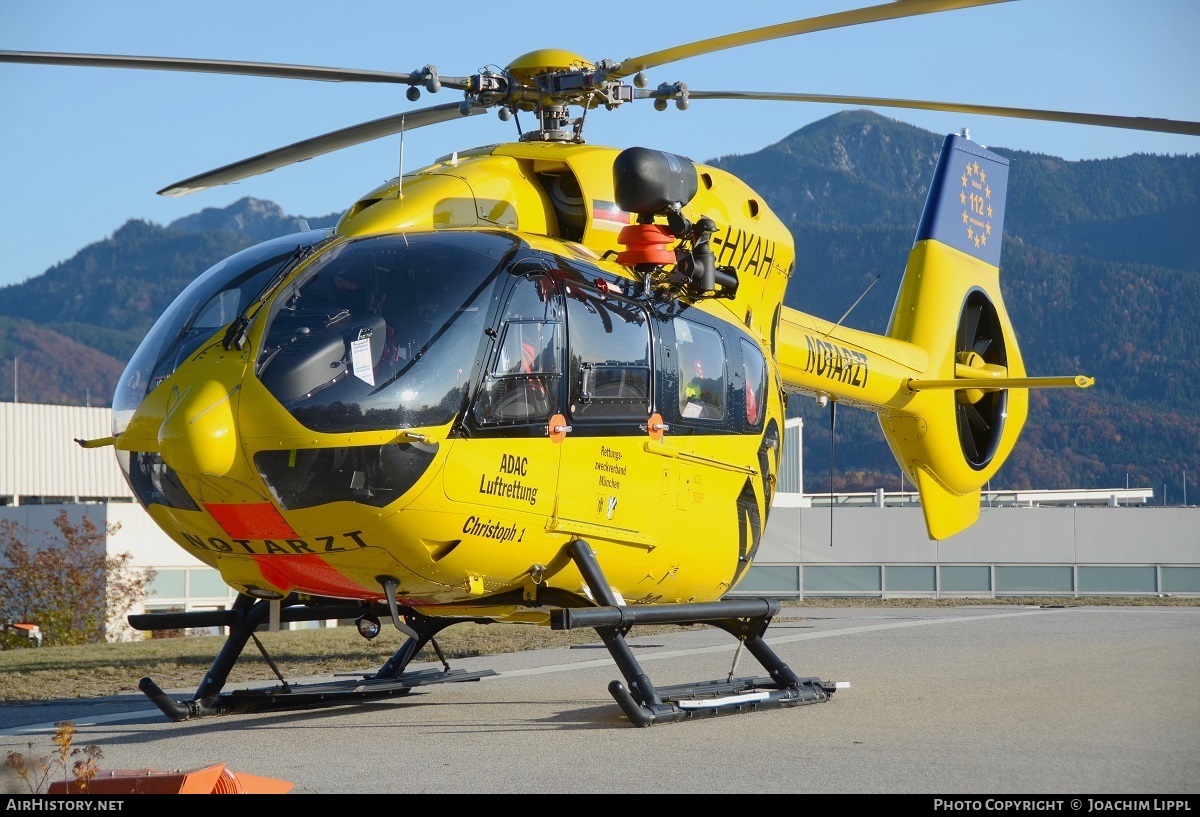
[400,176]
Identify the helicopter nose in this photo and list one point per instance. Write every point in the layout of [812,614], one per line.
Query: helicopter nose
[197,435]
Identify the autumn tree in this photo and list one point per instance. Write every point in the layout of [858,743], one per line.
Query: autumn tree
[65,582]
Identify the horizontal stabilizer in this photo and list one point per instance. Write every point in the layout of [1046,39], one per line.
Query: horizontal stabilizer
[1078,381]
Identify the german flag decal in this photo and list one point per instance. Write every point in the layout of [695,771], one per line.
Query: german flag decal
[606,215]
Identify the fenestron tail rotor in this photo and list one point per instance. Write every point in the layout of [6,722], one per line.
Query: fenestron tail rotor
[980,353]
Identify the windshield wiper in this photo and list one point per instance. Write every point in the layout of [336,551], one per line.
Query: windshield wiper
[236,335]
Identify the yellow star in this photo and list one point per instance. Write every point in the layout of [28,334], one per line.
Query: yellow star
[982,176]
[970,233]
[962,197]
[989,211]
[964,216]
[988,227]
[976,241]
[983,240]
[964,180]
[988,191]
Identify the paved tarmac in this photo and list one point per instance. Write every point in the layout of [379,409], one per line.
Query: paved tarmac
[942,701]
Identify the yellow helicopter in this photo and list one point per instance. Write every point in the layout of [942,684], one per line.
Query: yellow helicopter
[545,382]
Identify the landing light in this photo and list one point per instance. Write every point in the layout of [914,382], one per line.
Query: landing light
[266,595]
[368,626]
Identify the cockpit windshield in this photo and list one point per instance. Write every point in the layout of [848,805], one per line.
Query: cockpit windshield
[383,332]
[210,302]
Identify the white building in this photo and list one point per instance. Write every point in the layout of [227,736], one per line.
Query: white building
[44,471]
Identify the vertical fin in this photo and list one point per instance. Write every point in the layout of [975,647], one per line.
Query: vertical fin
[965,206]
[951,441]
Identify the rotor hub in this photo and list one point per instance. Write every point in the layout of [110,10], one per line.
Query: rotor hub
[526,68]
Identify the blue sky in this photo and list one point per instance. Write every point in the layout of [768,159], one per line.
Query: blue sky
[82,150]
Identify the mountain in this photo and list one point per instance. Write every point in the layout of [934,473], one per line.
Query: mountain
[1099,272]
[250,219]
[50,367]
[109,294]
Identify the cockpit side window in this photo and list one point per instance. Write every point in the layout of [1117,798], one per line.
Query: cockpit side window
[523,379]
[610,367]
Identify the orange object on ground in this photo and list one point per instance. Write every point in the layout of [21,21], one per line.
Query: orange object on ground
[210,780]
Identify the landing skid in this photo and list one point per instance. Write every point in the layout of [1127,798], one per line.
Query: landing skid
[247,614]
[644,705]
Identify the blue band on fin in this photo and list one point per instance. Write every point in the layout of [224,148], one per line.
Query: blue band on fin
[965,208]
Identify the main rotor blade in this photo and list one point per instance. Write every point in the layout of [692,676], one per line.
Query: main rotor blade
[871,14]
[1145,123]
[253,69]
[298,152]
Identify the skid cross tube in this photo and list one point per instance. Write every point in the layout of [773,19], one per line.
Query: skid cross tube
[645,705]
[247,614]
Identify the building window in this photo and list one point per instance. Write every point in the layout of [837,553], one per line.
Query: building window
[205,582]
[910,578]
[769,580]
[1114,579]
[966,579]
[169,584]
[1181,580]
[843,580]
[1033,579]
